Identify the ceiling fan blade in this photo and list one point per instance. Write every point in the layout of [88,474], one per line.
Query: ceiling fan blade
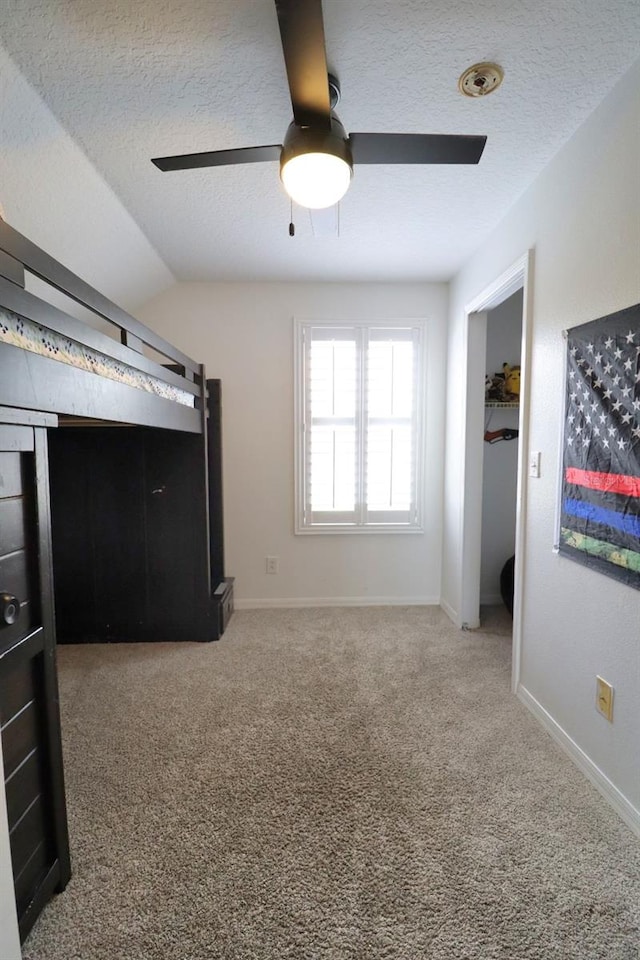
[302,36]
[415,148]
[219,158]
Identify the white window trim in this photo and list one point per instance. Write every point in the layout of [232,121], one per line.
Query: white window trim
[302,529]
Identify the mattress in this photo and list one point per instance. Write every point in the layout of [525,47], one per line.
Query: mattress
[28,335]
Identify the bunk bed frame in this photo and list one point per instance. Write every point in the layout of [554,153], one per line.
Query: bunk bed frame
[57,371]
[35,381]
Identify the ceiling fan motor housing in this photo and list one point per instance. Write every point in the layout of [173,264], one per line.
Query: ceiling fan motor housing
[299,140]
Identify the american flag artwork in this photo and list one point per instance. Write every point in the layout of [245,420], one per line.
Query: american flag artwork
[600,508]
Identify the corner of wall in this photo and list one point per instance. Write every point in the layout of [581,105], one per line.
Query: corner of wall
[53,194]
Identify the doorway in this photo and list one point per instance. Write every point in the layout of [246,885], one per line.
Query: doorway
[501,442]
[517,278]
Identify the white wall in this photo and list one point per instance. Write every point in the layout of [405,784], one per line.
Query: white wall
[244,335]
[500,461]
[51,193]
[582,216]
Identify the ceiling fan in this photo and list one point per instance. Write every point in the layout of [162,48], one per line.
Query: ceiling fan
[317,156]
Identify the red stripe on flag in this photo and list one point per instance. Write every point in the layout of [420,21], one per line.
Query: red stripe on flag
[607,482]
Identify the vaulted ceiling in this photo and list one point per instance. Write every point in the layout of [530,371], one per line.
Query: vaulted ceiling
[131,81]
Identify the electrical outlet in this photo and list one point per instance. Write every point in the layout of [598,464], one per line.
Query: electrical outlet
[272,564]
[604,698]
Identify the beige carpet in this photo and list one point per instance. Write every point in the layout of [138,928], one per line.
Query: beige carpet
[334,783]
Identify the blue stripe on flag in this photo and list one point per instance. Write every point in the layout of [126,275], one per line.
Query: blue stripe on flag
[628,523]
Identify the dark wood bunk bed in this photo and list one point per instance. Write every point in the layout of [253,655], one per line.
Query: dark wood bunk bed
[110,523]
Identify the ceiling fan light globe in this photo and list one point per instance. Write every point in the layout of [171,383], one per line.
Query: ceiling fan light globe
[316,163]
[316,180]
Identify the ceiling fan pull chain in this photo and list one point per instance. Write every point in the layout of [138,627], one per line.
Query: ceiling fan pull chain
[292,226]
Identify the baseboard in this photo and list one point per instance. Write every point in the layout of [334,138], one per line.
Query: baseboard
[296,602]
[450,612]
[623,807]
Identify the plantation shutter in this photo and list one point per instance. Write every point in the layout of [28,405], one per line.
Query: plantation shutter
[390,433]
[360,430]
[331,425]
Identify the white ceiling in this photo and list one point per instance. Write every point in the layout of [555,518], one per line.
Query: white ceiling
[135,80]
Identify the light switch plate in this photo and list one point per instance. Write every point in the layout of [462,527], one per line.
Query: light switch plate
[534,463]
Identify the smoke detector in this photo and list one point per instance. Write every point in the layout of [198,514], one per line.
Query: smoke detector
[480,79]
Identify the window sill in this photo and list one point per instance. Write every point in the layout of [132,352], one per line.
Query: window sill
[346,529]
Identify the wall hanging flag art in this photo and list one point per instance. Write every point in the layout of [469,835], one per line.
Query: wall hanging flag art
[600,509]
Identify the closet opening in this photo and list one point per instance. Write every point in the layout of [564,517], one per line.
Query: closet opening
[500,453]
[497,330]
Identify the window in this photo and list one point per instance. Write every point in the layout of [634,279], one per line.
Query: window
[358,427]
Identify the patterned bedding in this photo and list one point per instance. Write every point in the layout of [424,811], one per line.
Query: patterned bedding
[23,333]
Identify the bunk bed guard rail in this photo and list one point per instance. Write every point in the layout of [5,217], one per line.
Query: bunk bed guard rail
[121,370]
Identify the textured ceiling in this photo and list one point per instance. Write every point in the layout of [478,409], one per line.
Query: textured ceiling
[131,81]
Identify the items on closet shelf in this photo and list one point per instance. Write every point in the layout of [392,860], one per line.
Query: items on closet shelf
[495,436]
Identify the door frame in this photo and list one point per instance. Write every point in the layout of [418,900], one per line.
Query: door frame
[518,276]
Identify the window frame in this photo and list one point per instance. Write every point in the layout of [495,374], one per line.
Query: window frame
[301,525]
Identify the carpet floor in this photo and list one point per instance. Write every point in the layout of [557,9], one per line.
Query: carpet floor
[329,784]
